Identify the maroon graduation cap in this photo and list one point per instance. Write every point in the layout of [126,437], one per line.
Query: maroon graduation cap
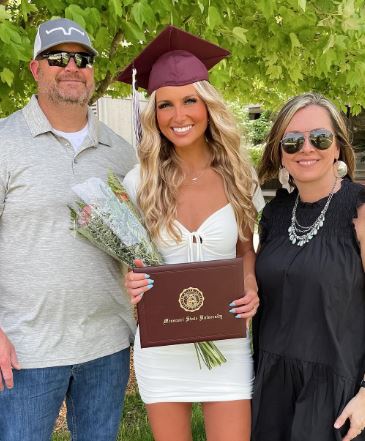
[173,58]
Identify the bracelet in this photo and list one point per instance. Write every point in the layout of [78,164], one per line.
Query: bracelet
[362,384]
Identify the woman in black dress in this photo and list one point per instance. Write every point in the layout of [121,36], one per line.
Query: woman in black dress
[310,330]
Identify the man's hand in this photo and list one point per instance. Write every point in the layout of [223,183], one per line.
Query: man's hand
[8,360]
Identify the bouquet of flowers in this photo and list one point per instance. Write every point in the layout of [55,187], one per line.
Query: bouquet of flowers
[108,219]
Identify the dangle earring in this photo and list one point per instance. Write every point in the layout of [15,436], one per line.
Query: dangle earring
[283,177]
[340,169]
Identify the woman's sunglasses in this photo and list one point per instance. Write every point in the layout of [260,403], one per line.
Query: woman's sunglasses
[292,142]
[61,59]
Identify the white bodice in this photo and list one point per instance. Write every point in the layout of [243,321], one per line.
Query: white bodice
[216,238]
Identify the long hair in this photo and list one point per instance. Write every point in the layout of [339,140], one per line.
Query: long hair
[271,160]
[161,172]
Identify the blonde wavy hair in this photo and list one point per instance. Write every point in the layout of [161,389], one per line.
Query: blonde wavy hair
[271,159]
[161,173]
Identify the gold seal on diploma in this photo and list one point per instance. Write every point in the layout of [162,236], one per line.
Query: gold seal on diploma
[191,299]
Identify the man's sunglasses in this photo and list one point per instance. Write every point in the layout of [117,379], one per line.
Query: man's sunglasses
[292,142]
[61,59]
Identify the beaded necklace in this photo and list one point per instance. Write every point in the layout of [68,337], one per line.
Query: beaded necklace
[300,235]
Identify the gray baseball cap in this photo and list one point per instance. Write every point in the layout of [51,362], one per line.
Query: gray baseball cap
[58,31]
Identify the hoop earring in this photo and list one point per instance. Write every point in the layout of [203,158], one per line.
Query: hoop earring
[340,169]
[283,177]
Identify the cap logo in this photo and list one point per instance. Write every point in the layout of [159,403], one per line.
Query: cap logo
[65,32]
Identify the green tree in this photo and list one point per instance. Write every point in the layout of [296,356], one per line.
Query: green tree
[254,131]
[279,47]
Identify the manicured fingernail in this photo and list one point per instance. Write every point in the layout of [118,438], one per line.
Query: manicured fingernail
[232,304]
[151,281]
[233,310]
[147,276]
[238,316]
[149,286]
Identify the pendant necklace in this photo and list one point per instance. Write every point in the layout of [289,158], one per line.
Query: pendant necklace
[195,179]
[300,235]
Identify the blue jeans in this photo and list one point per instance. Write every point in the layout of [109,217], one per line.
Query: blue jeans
[94,393]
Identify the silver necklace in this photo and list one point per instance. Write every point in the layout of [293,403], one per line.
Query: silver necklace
[300,235]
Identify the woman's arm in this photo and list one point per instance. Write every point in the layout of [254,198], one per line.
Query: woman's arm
[246,306]
[359,223]
[355,408]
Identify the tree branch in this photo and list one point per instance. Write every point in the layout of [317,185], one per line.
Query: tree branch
[108,79]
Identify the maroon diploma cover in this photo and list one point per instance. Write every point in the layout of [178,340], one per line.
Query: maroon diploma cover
[190,303]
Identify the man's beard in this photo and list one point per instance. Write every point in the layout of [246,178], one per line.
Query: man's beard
[60,96]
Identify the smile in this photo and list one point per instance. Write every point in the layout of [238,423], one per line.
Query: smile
[182,129]
[72,81]
[307,162]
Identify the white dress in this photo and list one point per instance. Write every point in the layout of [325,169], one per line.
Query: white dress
[172,373]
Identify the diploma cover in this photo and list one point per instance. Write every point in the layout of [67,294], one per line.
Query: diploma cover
[190,303]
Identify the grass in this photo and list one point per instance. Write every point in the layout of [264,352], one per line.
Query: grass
[135,425]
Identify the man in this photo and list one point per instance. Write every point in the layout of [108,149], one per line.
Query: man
[65,326]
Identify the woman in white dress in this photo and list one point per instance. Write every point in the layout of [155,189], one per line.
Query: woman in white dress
[194,190]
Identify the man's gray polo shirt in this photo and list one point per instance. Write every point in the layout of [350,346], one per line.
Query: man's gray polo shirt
[61,299]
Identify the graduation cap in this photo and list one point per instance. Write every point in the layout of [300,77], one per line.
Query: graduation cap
[173,58]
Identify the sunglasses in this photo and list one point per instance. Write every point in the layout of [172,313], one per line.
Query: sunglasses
[61,59]
[292,142]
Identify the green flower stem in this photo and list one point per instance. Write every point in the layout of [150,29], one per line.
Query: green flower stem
[209,353]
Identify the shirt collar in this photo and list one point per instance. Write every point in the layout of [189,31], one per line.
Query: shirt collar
[39,124]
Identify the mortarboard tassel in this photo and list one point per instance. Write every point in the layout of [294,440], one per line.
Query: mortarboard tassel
[136,109]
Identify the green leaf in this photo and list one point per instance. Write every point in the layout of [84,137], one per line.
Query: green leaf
[132,33]
[9,32]
[102,37]
[27,8]
[274,72]
[214,18]
[143,13]
[352,24]
[267,7]
[116,6]
[240,34]
[4,15]
[7,76]
[295,73]
[4,35]
[75,13]
[348,8]
[93,18]
[294,40]
[137,14]
[201,6]
[302,4]
[148,15]
[330,43]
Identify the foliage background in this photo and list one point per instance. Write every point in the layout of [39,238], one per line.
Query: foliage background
[279,47]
